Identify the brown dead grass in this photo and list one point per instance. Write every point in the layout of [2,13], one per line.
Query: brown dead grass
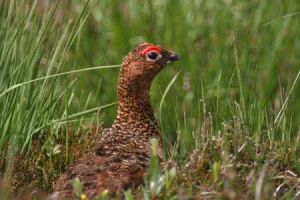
[40,166]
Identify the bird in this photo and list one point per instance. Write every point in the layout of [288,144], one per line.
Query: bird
[121,157]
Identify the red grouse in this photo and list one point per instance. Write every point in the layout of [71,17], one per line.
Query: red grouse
[122,157]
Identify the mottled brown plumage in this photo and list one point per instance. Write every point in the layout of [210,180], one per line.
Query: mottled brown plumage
[122,155]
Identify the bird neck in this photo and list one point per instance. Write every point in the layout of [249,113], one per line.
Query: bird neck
[134,110]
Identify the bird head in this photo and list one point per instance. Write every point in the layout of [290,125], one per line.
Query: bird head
[145,61]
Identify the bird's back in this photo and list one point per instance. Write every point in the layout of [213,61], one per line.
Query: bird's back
[116,164]
[113,173]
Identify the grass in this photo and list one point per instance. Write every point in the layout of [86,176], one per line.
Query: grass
[228,111]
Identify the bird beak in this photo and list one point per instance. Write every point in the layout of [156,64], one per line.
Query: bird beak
[173,57]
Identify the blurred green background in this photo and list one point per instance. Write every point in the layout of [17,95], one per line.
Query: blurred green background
[232,51]
[239,58]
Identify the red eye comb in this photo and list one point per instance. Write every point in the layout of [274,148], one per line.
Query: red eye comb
[150,48]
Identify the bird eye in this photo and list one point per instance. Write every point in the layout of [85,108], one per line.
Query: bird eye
[153,56]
